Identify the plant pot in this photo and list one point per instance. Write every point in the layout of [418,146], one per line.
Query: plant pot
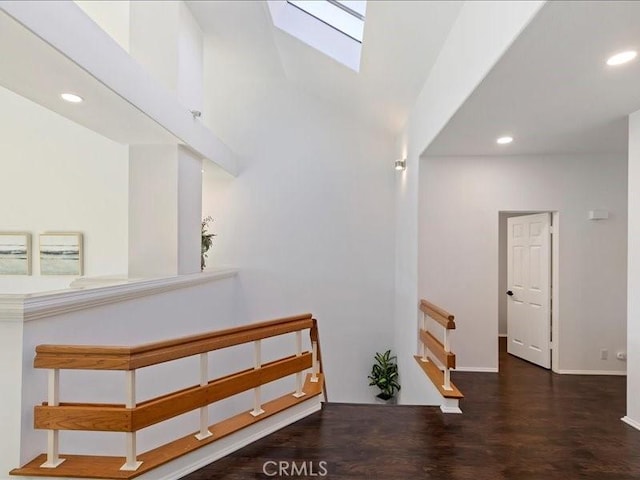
[386,401]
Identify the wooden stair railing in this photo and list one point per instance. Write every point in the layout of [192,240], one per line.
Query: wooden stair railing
[439,375]
[133,416]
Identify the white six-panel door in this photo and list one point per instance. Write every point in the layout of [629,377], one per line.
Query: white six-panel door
[529,288]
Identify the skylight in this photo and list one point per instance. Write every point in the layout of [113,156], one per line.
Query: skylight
[345,16]
[334,27]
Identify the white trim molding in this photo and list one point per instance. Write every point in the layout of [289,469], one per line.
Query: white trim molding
[89,293]
[591,372]
[477,369]
[631,422]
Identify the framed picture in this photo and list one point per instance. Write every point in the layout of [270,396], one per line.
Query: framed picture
[15,253]
[61,253]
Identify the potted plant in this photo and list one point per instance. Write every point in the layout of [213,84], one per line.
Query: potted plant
[207,241]
[384,375]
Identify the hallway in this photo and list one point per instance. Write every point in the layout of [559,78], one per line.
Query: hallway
[523,424]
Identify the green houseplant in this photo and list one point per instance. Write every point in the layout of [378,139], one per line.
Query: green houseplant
[384,375]
[207,241]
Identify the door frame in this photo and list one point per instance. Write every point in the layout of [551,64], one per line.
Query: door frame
[555,275]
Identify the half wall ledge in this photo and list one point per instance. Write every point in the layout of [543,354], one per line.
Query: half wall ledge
[85,293]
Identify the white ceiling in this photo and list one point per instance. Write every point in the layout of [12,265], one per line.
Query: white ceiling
[401,42]
[32,68]
[552,90]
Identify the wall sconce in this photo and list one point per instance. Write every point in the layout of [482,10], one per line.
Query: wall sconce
[401,164]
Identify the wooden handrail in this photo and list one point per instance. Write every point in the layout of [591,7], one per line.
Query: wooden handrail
[118,418]
[133,416]
[434,345]
[440,315]
[440,376]
[88,357]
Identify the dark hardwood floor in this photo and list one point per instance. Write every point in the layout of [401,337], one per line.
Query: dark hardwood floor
[522,424]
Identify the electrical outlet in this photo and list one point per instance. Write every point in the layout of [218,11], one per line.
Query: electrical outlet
[604,354]
[621,355]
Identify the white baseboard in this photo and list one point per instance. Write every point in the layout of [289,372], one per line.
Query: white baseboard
[631,422]
[477,369]
[592,372]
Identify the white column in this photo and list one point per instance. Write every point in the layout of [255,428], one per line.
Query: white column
[257,404]
[165,210]
[633,274]
[131,463]
[53,441]
[189,211]
[299,393]
[204,411]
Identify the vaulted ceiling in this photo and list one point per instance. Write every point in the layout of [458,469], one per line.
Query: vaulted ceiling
[402,40]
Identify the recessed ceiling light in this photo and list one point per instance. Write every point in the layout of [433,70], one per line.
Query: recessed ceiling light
[622,57]
[504,140]
[71,98]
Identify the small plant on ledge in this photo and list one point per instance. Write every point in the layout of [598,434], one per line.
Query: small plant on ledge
[207,241]
[384,375]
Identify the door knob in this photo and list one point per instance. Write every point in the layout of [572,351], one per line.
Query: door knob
[510,293]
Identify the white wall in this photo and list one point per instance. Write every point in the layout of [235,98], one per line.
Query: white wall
[59,176]
[159,317]
[481,34]
[11,400]
[168,42]
[633,313]
[154,39]
[460,200]
[308,220]
[111,15]
[190,60]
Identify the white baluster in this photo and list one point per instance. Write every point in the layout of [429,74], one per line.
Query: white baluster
[53,440]
[423,349]
[299,393]
[447,379]
[131,463]
[204,411]
[257,405]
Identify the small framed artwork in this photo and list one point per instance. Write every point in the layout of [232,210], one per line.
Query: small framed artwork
[15,253]
[61,253]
